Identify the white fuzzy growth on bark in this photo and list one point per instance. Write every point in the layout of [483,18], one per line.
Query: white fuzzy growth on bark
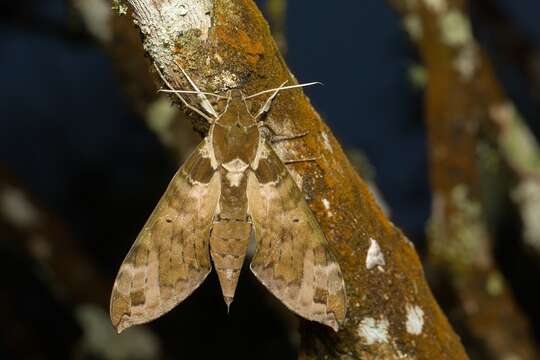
[527,196]
[17,208]
[326,204]
[326,142]
[373,331]
[96,15]
[100,339]
[374,257]
[164,22]
[415,320]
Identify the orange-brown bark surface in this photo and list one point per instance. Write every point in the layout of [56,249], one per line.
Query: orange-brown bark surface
[392,314]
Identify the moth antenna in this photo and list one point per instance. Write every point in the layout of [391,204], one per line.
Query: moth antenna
[281,87]
[226,105]
[268,102]
[192,92]
[274,92]
[247,106]
[184,101]
[204,100]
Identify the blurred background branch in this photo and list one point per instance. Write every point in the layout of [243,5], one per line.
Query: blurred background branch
[472,127]
[90,145]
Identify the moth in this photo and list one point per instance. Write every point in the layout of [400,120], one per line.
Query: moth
[232,185]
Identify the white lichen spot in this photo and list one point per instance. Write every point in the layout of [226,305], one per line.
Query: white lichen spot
[166,24]
[437,6]
[374,331]
[375,256]
[495,284]
[326,204]
[415,320]
[527,195]
[183,10]
[120,8]
[159,117]
[418,76]
[413,26]
[326,142]
[519,144]
[226,80]
[469,244]
[96,15]
[467,62]
[100,340]
[521,150]
[16,208]
[455,28]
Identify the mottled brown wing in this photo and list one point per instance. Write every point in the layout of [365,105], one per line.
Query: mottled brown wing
[292,258]
[170,257]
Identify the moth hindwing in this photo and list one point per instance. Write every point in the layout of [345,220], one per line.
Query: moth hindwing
[232,185]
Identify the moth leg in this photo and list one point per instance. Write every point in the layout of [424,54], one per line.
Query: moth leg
[278,138]
[184,101]
[295,161]
[273,137]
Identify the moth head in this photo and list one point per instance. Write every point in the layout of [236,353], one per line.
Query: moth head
[236,94]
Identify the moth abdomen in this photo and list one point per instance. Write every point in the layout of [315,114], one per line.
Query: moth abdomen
[228,246]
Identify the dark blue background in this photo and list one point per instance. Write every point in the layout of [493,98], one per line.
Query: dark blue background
[65,119]
[68,133]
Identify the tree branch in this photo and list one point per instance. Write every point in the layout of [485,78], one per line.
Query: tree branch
[465,106]
[226,44]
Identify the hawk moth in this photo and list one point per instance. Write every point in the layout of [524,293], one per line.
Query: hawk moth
[232,185]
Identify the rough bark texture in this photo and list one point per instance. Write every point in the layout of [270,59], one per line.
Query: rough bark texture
[465,106]
[226,44]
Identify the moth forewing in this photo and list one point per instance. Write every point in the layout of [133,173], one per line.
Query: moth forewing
[169,258]
[292,258]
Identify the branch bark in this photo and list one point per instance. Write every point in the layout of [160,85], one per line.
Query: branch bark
[392,314]
[465,106]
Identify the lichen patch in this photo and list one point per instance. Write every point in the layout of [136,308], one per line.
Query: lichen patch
[413,26]
[326,142]
[374,257]
[455,28]
[17,209]
[437,6]
[415,319]
[467,62]
[374,331]
[96,15]
[326,203]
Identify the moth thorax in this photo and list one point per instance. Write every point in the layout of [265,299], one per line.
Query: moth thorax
[235,171]
[236,165]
